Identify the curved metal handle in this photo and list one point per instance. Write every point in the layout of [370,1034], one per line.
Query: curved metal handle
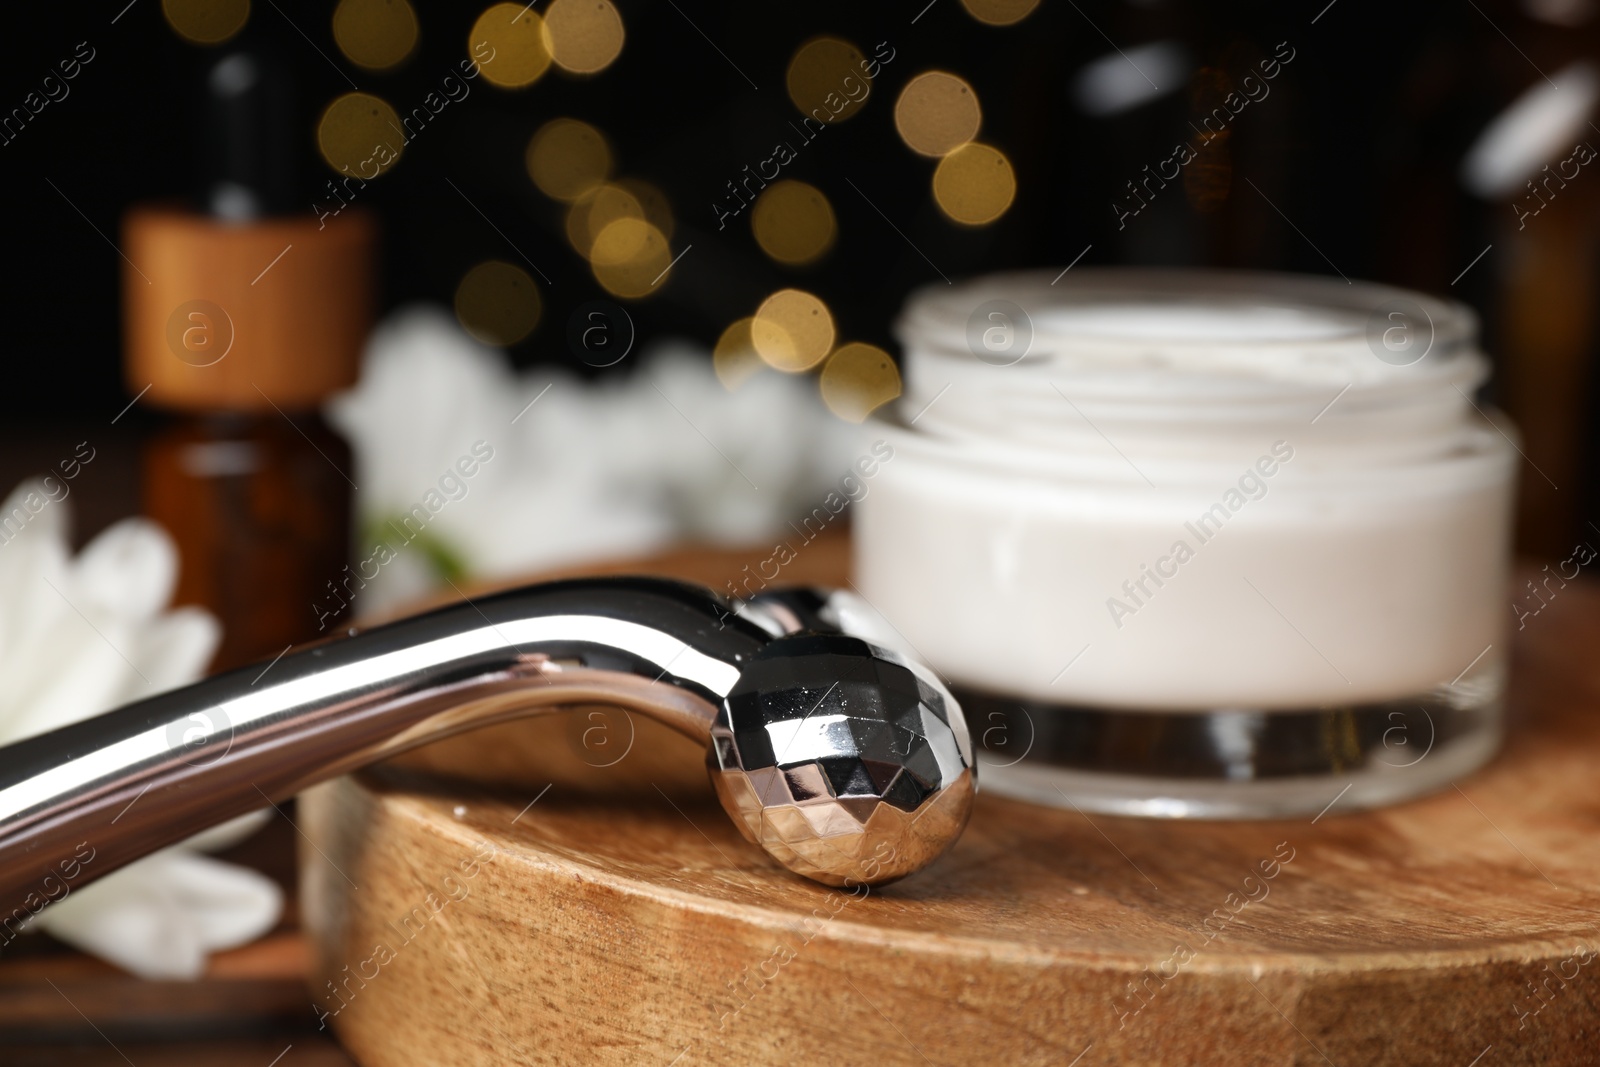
[147,775]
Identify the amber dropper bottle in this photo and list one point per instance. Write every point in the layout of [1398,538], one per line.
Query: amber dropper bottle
[241,318]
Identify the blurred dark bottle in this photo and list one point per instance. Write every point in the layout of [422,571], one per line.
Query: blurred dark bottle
[241,318]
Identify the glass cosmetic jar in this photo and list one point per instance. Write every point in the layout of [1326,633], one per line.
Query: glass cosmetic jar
[1204,544]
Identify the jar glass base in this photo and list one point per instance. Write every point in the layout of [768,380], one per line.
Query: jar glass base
[1232,763]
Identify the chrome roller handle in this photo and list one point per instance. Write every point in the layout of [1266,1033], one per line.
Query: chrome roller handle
[847,762]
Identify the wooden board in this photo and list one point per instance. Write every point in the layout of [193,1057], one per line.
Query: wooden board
[617,917]
[59,1006]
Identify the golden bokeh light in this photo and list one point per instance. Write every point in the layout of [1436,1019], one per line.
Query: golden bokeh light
[792,331]
[628,198]
[793,222]
[858,379]
[359,134]
[630,258]
[567,159]
[596,210]
[974,184]
[511,45]
[375,34]
[585,35]
[825,79]
[206,21]
[1000,12]
[937,113]
[497,303]
[653,202]
[735,357]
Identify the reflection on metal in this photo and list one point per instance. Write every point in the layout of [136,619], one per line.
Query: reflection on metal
[197,756]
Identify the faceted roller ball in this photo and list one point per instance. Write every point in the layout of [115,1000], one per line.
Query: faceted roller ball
[848,763]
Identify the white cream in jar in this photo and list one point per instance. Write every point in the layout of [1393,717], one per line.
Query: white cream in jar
[1207,499]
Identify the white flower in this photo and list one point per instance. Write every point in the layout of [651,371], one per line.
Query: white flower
[617,467]
[81,636]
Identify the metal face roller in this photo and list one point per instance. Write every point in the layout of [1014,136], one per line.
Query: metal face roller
[846,761]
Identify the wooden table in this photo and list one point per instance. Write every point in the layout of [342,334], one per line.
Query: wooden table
[619,918]
[58,1006]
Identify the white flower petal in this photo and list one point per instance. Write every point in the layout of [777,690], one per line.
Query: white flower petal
[79,636]
[129,570]
[229,833]
[32,507]
[162,916]
[61,690]
[621,465]
[173,650]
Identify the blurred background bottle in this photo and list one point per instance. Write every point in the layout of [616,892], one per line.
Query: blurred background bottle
[241,319]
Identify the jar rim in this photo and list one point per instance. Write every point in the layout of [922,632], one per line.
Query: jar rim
[1111,341]
[934,310]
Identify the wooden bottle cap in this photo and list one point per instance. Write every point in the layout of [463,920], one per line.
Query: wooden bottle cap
[244,317]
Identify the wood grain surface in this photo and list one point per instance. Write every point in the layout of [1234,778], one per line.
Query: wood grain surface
[59,1006]
[504,898]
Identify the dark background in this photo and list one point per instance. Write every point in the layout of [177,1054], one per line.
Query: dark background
[1358,144]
